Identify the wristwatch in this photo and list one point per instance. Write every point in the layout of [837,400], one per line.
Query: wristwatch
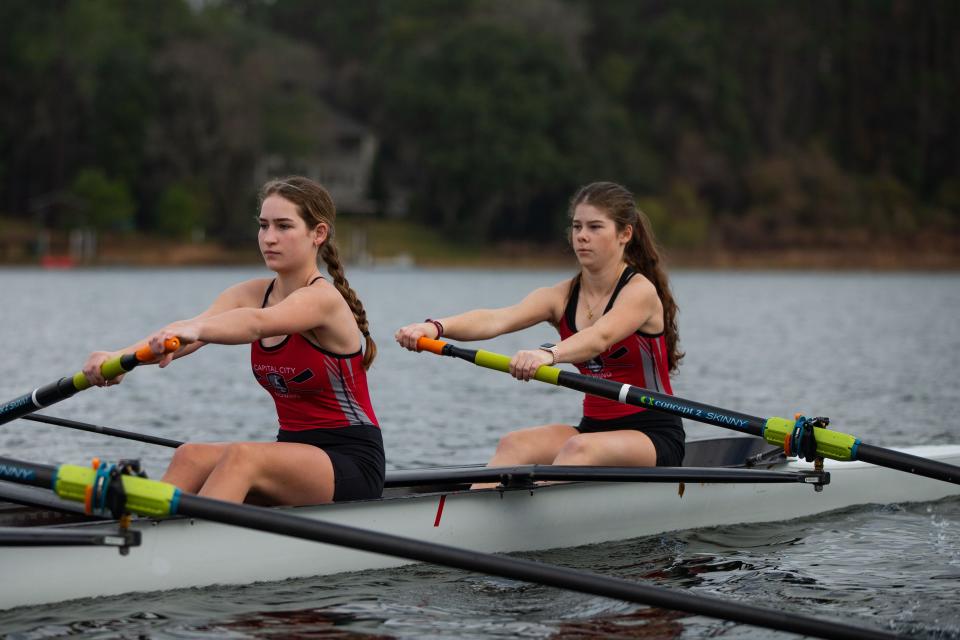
[554,351]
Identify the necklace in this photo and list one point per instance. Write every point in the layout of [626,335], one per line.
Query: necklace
[606,295]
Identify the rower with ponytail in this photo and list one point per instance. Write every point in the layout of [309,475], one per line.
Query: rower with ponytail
[641,252]
[617,320]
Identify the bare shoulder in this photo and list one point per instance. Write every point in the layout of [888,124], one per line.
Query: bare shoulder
[640,299]
[553,298]
[562,288]
[248,293]
[321,292]
[640,287]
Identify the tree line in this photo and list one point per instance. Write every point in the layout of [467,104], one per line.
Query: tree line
[744,123]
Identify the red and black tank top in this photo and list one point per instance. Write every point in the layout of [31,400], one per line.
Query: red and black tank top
[313,388]
[640,359]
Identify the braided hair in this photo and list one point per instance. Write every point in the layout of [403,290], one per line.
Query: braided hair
[315,205]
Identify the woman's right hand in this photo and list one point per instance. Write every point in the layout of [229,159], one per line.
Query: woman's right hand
[91,369]
[407,336]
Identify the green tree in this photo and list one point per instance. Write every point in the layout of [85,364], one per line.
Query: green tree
[486,122]
[182,211]
[105,204]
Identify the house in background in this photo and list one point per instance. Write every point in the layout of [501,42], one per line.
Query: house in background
[342,161]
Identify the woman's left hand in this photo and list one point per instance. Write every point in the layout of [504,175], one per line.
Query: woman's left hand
[524,364]
[186,331]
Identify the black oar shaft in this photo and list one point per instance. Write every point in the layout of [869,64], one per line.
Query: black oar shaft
[905,462]
[65,387]
[28,473]
[664,403]
[619,392]
[93,428]
[513,568]
[37,399]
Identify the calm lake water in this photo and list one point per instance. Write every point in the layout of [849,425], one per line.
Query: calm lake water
[878,354]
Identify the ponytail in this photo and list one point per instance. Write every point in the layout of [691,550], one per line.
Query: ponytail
[641,252]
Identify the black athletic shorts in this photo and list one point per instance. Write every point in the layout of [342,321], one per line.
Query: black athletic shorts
[357,456]
[665,431]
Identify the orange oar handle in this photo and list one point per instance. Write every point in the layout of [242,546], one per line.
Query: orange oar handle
[145,354]
[431,345]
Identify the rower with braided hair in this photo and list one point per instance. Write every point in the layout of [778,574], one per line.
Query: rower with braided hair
[310,348]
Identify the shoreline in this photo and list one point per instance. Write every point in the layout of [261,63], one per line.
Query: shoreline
[139,251]
[716,260]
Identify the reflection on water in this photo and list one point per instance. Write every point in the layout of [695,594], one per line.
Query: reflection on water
[877,353]
[313,624]
[643,623]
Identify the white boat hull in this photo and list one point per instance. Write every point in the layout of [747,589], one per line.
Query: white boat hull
[180,552]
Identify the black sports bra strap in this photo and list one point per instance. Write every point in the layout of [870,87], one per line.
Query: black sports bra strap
[628,273]
[267,294]
[263,305]
[571,311]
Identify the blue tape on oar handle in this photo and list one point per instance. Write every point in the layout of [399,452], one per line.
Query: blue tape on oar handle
[101,481]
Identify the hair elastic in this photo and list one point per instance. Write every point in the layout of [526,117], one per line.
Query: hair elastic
[438,325]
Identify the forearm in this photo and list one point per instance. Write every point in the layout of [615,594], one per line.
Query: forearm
[479,324]
[237,326]
[582,346]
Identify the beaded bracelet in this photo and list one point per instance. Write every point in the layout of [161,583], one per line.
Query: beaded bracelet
[438,325]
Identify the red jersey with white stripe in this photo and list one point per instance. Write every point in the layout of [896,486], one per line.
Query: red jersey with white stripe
[640,360]
[313,388]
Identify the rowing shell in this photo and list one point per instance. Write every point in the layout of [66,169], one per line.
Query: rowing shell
[182,552]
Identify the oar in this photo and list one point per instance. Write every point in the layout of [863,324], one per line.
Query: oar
[777,431]
[65,387]
[107,431]
[153,498]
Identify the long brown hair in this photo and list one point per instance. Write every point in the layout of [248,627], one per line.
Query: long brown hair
[641,252]
[315,205]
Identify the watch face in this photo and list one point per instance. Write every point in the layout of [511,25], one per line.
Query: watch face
[547,345]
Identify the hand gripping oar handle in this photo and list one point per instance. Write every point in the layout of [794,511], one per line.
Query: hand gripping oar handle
[830,444]
[65,387]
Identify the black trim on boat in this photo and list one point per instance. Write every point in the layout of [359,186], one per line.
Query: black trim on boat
[44,537]
[725,459]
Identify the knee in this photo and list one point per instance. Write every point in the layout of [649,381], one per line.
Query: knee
[188,455]
[238,455]
[578,450]
[512,444]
